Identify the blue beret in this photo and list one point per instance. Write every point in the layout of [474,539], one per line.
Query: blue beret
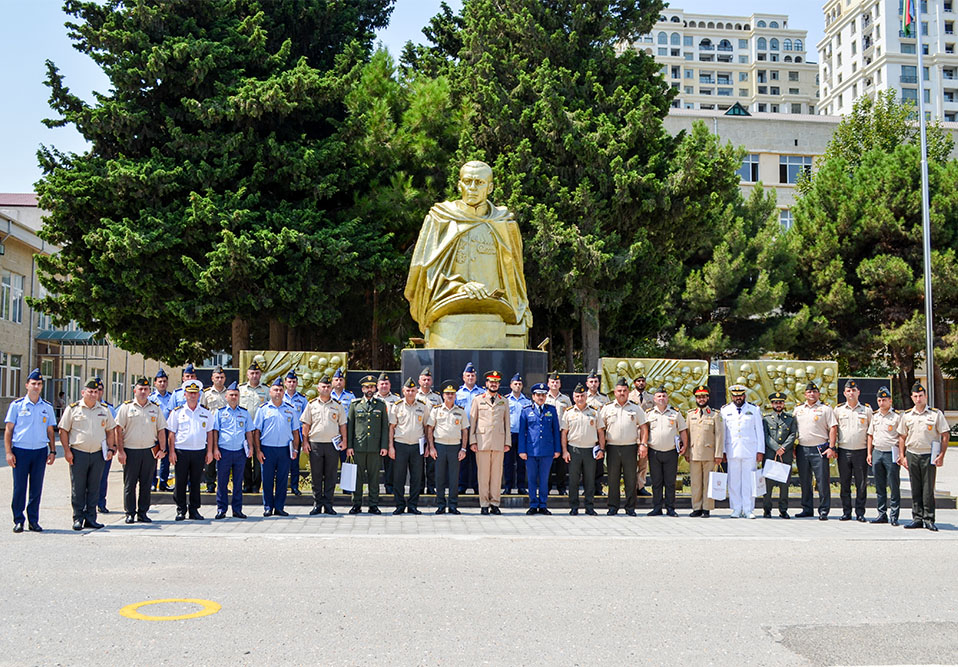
[278,382]
[233,386]
[35,375]
[516,378]
[291,375]
[338,373]
[539,388]
[161,374]
[189,369]
[469,368]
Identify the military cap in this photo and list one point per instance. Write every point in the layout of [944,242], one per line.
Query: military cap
[539,388]
[292,375]
[776,396]
[338,373]
[189,369]
[640,376]
[35,375]
[233,386]
[579,389]
[701,389]
[161,374]
[516,378]
[495,376]
[737,390]
[368,380]
[811,386]
[448,386]
[218,369]
[254,366]
[426,371]
[99,382]
[660,390]
[277,381]
[917,388]
[469,368]
[883,392]
[142,382]
[91,383]
[851,384]
[621,382]
[410,383]
[554,375]
[324,380]
[193,386]
[383,377]
[594,375]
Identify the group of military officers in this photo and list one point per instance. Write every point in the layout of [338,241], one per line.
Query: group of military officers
[254,436]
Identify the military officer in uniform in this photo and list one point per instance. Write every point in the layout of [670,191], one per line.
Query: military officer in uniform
[276,443]
[450,433]
[104,480]
[29,444]
[164,399]
[883,458]
[540,443]
[744,447]
[84,426]
[213,398]
[626,438]
[179,395]
[324,421]
[595,399]
[384,394]
[191,448]
[582,432]
[514,468]
[252,395]
[468,472]
[706,448]
[232,445]
[853,422]
[367,438]
[298,400]
[490,438]
[433,399]
[668,440]
[407,445]
[559,476]
[141,424]
[817,434]
[781,431]
[922,440]
[643,399]
[339,391]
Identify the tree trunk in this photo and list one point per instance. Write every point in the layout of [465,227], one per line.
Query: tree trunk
[240,338]
[939,388]
[590,333]
[905,362]
[567,337]
[292,338]
[374,343]
[277,334]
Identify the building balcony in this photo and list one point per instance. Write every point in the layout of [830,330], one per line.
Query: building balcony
[729,49]
[908,79]
[706,47]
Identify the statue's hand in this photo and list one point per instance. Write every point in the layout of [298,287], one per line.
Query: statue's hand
[476,290]
[527,318]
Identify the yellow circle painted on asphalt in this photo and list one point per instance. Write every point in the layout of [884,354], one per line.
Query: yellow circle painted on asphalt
[207,607]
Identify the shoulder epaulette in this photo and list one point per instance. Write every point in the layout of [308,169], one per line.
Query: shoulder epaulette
[632,402]
[155,403]
[127,402]
[336,401]
[74,404]
[909,410]
[839,405]
[178,407]
[570,407]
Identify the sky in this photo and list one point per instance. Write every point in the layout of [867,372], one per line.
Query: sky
[34,33]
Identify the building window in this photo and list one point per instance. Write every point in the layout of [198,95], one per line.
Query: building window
[798,45]
[743,92]
[11,297]
[908,49]
[663,51]
[743,76]
[687,41]
[689,90]
[773,75]
[743,60]
[72,376]
[743,43]
[10,374]
[791,166]
[762,44]
[793,91]
[787,45]
[663,38]
[748,172]
[793,76]
[773,44]
[118,388]
[796,108]
[762,108]
[785,217]
[774,90]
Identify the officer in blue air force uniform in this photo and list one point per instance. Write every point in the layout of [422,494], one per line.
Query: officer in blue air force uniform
[539,444]
[514,468]
[298,400]
[28,440]
[101,501]
[164,399]
[232,445]
[277,443]
[179,396]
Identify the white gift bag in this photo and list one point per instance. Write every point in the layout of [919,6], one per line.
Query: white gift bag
[758,485]
[347,477]
[718,485]
[776,471]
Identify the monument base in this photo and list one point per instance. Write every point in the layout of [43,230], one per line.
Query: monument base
[448,364]
[476,331]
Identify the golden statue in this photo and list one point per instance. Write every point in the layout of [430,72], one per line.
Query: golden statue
[466,287]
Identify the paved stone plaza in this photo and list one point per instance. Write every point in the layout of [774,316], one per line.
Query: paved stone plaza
[476,589]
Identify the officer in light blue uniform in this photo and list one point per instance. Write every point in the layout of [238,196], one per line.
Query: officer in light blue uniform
[164,399]
[278,425]
[344,396]
[539,444]
[297,400]
[179,396]
[28,440]
[105,478]
[468,472]
[514,468]
[232,425]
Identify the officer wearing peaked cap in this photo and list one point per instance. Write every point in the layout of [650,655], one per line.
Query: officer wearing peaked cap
[596,399]
[384,394]
[626,438]
[433,399]
[298,400]
[408,442]
[30,447]
[489,439]
[559,475]
[324,422]
[540,443]
[367,440]
[781,431]
[214,398]
[582,430]
[706,448]
[105,478]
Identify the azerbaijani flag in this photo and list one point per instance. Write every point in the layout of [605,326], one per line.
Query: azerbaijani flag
[908,17]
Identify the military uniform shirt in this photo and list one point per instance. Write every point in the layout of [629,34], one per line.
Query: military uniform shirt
[921,429]
[299,401]
[410,421]
[345,397]
[581,426]
[276,424]
[560,401]
[140,424]
[814,423]
[252,398]
[367,425]
[213,399]
[596,400]
[489,419]
[87,426]
[165,401]
[432,399]
[323,419]
[781,430]
[232,424]
[30,422]
[664,427]
[516,406]
[622,422]
[853,425]
[464,397]
[884,430]
[191,427]
[389,399]
[179,398]
[642,398]
[706,434]
[447,424]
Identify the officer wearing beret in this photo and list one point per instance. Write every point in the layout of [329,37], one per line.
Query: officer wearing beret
[252,395]
[276,443]
[449,426]
[817,434]
[232,445]
[339,391]
[853,422]
[367,441]
[84,426]
[408,443]
[164,399]
[432,399]
[514,468]
[643,399]
[140,424]
[883,458]
[214,398]
[626,438]
[489,439]
[104,479]
[298,400]
[28,440]
[324,421]
[384,393]
[559,476]
[191,448]
[706,448]
[468,471]
[922,440]
[540,442]
[781,431]
[596,400]
[668,440]
[582,432]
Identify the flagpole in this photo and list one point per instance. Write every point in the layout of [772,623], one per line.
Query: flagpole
[925,217]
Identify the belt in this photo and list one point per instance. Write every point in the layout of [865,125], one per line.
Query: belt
[320,442]
[621,444]
[408,444]
[448,444]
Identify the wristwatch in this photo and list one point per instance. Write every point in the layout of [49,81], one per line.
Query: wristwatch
[462,449]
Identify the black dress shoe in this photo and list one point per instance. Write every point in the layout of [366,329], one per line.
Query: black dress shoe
[804,515]
[399,510]
[129,519]
[180,516]
[143,518]
[413,510]
[102,509]
[930,525]
[196,516]
[883,518]
[591,512]
[164,487]
[454,511]
[654,513]
[644,493]
[783,515]
[860,519]
[523,492]
[563,491]
[18,527]
[767,514]
[330,511]
[845,517]
[507,491]
[35,528]
[267,512]
[219,515]
[914,524]
[280,513]
[823,517]
[613,511]
[705,513]
[355,509]
[77,525]
[893,522]
[671,513]
[532,510]
[495,509]
[696,513]
[632,512]
[210,488]
[574,511]
[484,510]
[95,525]
[543,510]
[296,492]
[238,515]
[430,491]
[374,510]
[441,510]
[315,511]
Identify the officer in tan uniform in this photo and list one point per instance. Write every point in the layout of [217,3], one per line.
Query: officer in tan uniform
[668,440]
[706,448]
[490,437]
[432,399]
[384,393]
[883,458]
[595,399]
[817,435]
[643,399]
[626,439]
[214,398]
[559,475]
[922,440]
[408,443]
[253,394]
[84,426]
[324,421]
[854,418]
[141,422]
[582,431]
[450,434]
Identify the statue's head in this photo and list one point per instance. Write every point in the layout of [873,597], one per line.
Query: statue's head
[475,182]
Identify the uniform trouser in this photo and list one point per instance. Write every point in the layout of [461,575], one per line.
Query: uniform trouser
[922,474]
[853,463]
[513,468]
[741,481]
[621,467]
[367,472]
[489,465]
[323,464]
[582,466]
[276,477]
[31,466]
[699,472]
[231,462]
[85,474]
[162,465]
[468,473]
[294,474]
[447,474]
[138,471]
[252,475]
[429,474]
[104,479]
[408,459]
[641,472]
[388,473]
[782,487]
[559,477]
[209,474]
[810,461]
[887,475]
[189,471]
[537,477]
[663,466]
[599,471]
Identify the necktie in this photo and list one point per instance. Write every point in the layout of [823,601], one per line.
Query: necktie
[740,409]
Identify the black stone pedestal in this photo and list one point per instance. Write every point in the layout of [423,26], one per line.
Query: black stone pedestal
[532,365]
